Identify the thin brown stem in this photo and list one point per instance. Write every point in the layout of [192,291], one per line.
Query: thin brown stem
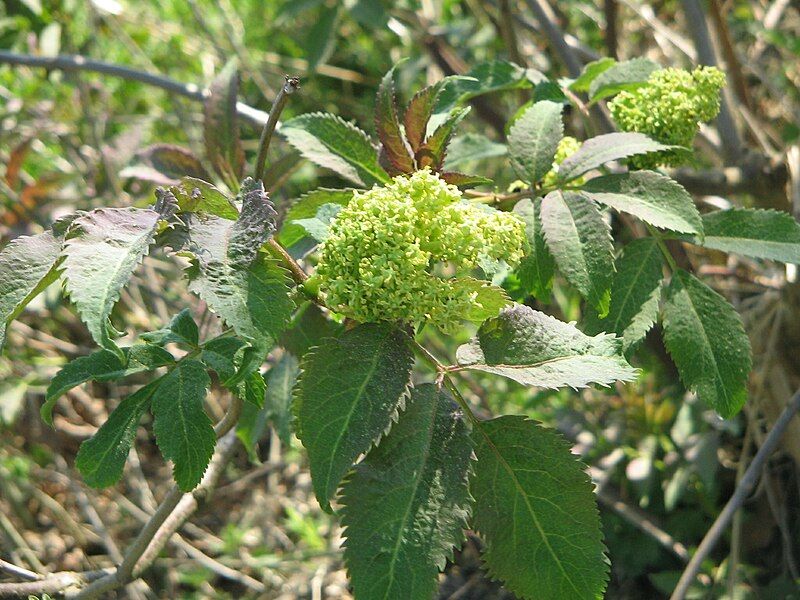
[289,87]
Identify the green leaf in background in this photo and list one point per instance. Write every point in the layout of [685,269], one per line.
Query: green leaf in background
[472,146]
[533,140]
[280,388]
[318,226]
[253,389]
[393,144]
[196,195]
[28,264]
[102,365]
[306,207]
[181,330]
[626,75]
[770,234]
[433,151]
[322,36]
[223,355]
[537,268]
[705,337]
[650,196]
[184,432]
[348,395]
[165,164]
[221,126]
[333,143]
[102,250]
[635,293]
[102,457]
[308,328]
[590,72]
[601,149]
[536,349]
[407,503]
[535,509]
[580,241]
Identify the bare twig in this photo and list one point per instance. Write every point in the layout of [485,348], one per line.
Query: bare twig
[52,584]
[18,572]
[741,493]
[73,63]
[290,86]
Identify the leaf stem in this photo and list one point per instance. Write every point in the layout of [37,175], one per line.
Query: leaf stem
[663,247]
[289,87]
[295,269]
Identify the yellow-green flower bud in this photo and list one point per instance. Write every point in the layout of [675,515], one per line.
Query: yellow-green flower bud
[377,263]
[566,148]
[669,108]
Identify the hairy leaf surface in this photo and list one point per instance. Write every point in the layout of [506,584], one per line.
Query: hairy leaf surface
[536,349]
[651,196]
[580,241]
[604,148]
[760,233]
[100,254]
[535,509]
[537,268]
[406,504]
[706,339]
[330,142]
[533,140]
[184,432]
[348,395]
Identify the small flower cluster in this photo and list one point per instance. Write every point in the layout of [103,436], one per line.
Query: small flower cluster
[378,259]
[669,108]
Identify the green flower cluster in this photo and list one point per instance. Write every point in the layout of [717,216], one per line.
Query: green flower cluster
[377,263]
[669,108]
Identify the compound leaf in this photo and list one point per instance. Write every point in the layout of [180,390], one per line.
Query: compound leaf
[406,504]
[604,148]
[706,339]
[330,142]
[770,234]
[536,349]
[535,509]
[348,395]
[102,365]
[651,196]
[580,241]
[533,140]
[102,457]
[28,264]
[101,251]
[184,432]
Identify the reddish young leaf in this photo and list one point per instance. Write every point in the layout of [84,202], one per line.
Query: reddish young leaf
[388,127]
[419,112]
[15,160]
[463,180]
[432,152]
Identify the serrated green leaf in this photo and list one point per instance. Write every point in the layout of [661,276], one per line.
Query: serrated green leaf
[306,207]
[489,299]
[181,330]
[537,268]
[483,78]
[604,148]
[406,504]
[536,349]
[253,389]
[184,433]
[221,126]
[196,195]
[580,241]
[770,234]
[590,72]
[223,355]
[308,328]
[330,142]
[280,385]
[101,251]
[635,293]
[28,265]
[102,457]
[318,226]
[705,337]
[433,150]
[535,509]
[102,365]
[534,138]
[322,36]
[626,75]
[651,196]
[348,395]
[472,146]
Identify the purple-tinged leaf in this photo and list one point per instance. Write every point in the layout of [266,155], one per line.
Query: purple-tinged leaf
[221,126]
[388,126]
